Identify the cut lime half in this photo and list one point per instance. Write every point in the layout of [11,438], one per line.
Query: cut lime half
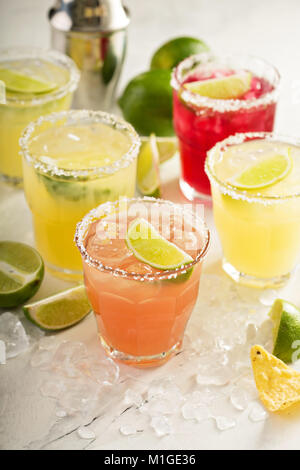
[59,311]
[148,179]
[232,87]
[286,331]
[21,273]
[151,248]
[20,83]
[264,173]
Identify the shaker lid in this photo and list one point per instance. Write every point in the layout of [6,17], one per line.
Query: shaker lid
[89,15]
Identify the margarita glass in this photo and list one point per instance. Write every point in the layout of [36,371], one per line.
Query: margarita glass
[201,122]
[72,162]
[259,229]
[141,311]
[21,108]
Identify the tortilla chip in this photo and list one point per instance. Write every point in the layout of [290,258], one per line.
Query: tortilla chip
[278,385]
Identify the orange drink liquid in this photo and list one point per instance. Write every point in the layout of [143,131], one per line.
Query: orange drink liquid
[141,311]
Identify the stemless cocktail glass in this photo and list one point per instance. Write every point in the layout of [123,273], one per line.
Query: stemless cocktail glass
[259,229]
[201,122]
[22,108]
[72,162]
[141,311]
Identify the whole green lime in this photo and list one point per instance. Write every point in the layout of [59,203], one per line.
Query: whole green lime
[147,103]
[174,51]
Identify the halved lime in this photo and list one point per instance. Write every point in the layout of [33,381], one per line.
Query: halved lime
[286,319]
[21,273]
[59,311]
[232,87]
[151,248]
[2,93]
[264,173]
[148,179]
[20,83]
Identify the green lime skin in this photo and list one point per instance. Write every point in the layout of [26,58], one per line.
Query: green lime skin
[288,329]
[147,103]
[174,51]
[15,290]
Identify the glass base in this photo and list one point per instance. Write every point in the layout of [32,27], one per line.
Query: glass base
[64,274]
[140,361]
[192,194]
[252,281]
[11,180]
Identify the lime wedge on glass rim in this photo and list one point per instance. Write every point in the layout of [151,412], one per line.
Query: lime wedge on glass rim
[21,83]
[151,248]
[264,173]
[286,331]
[21,273]
[167,146]
[225,88]
[59,311]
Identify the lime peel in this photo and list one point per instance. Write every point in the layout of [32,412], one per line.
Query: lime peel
[59,311]
[265,173]
[231,87]
[151,248]
[286,330]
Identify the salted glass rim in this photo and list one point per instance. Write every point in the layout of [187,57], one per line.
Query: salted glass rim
[237,139]
[102,117]
[105,208]
[221,105]
[56,57]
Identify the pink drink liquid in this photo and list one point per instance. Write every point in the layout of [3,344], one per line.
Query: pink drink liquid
[141,322]
[199,129]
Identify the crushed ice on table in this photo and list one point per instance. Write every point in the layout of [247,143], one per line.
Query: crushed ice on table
[85,433]
[13,334]
[211,379]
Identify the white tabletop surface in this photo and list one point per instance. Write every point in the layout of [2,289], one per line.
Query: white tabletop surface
[269,28]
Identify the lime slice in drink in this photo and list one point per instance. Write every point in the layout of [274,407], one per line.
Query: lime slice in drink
[151,248]
[148,179]
[21,273]
[286,319]
[2,93]
[232,87]
[59,311]
[21,83]
[265,173]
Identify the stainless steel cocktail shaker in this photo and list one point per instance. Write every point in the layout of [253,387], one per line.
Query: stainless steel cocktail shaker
[93,33]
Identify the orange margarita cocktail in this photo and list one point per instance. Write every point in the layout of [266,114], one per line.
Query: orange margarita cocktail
[142,263]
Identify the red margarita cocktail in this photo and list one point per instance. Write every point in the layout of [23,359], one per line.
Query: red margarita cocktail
[200,121]
[141,311]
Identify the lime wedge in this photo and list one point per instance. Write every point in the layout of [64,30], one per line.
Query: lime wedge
[21,273]
[286,319]
[148,179]
[21,83]
[151,248]
[2,93]
[232,87]
[265,173]
[167,147]
[59,311]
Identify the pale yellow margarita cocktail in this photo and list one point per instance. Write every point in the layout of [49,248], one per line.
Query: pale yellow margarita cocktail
[259,227]
[72,162]
[36,83]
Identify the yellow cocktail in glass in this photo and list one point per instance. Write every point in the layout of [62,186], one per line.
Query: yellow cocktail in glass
[73,161]
[37,83]
[259,227]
